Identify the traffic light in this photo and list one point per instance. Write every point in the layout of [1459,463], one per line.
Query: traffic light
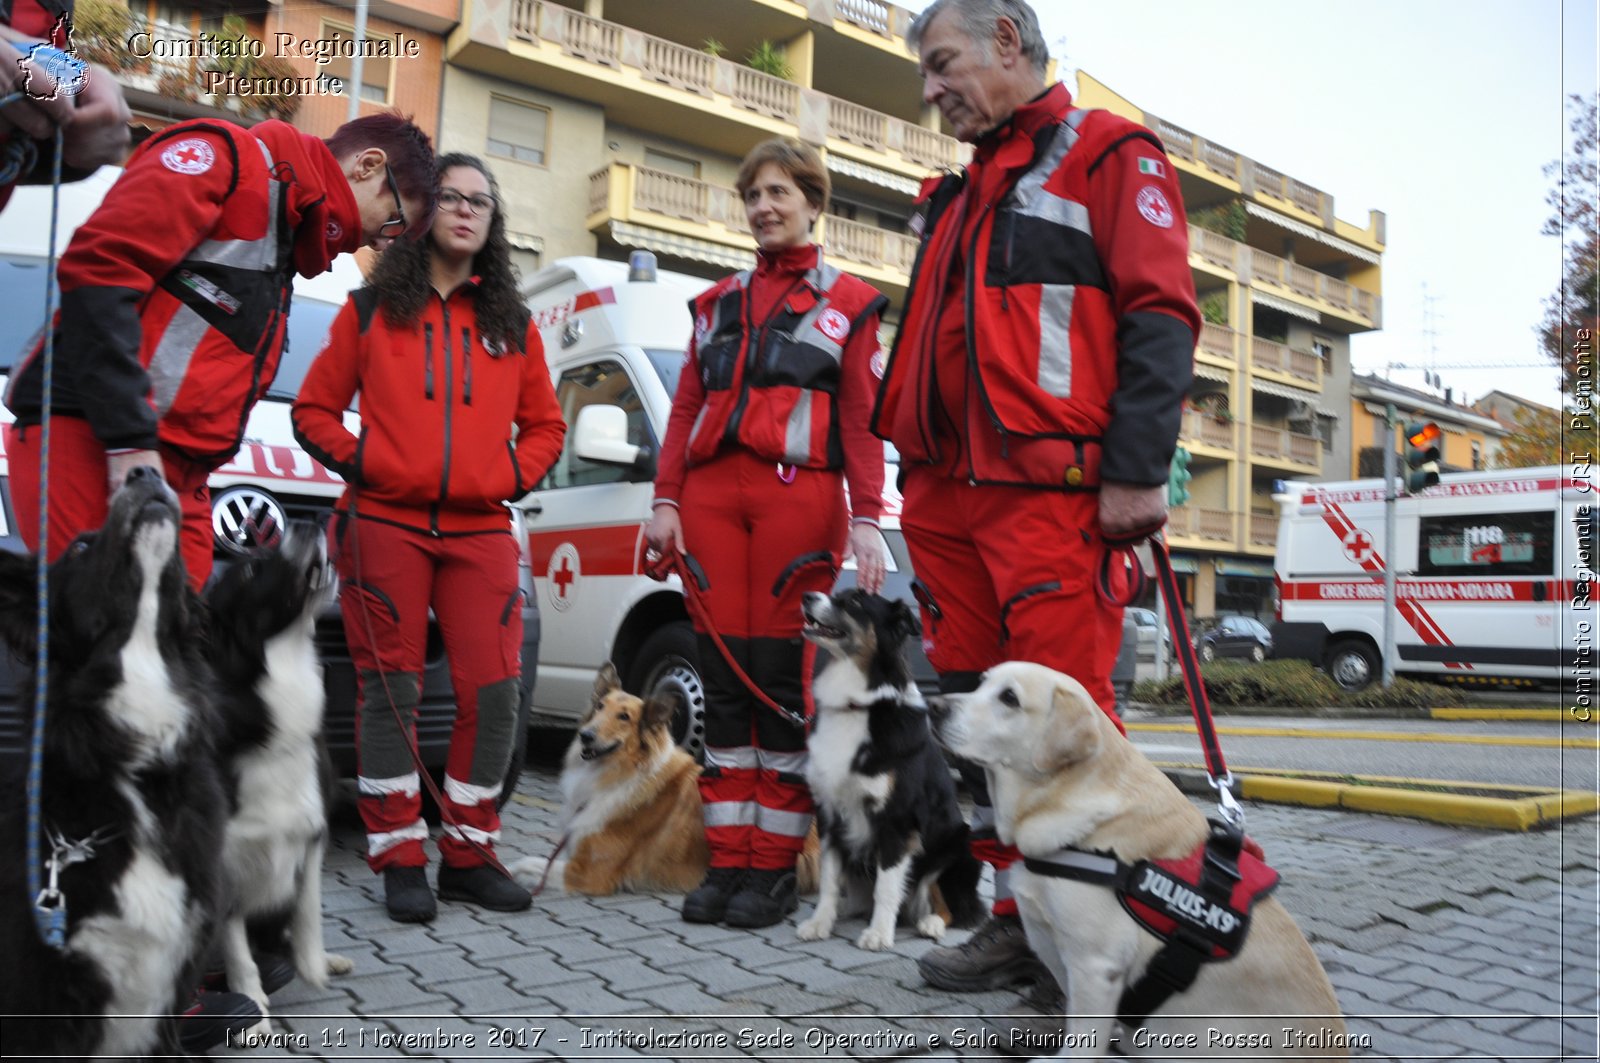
[1178,477]
[1422,455]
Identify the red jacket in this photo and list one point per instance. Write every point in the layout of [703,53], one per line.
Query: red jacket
[174,293]
[781,364]
[439,403]
[1049,333]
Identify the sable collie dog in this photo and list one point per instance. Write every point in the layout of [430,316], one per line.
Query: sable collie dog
[890,823]
[263,613]
[631,814]
[630,802]
[130,777]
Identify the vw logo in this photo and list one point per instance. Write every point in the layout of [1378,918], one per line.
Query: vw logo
[246,520]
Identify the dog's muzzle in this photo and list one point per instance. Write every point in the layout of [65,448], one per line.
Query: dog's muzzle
[591,751]
[813,608]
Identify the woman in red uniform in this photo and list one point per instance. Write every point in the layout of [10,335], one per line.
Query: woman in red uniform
[768,425]
[458,415]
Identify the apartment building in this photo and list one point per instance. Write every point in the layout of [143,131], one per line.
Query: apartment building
[1470,436]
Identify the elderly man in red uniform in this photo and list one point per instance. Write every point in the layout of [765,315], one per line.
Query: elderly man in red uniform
[1035,388]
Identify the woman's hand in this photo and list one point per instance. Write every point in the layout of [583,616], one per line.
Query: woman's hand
[665,530]
[866,546]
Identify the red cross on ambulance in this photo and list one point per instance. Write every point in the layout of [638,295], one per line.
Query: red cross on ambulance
[562,576]
[1357,545]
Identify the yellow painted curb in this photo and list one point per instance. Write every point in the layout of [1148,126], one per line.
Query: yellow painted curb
[1528,715]
[1460,809]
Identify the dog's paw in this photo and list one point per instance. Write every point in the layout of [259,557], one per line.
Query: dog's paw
[931,926]
[530,871]
[338,965]
[874,940]
[814,929]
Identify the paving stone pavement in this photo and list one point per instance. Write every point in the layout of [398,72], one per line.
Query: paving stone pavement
[1441,944]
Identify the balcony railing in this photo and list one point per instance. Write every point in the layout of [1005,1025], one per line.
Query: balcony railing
[1281,358]
[1190,147]
[1263,529]
[1278,444]
[1266,268]
[869,245]
[1214,248]
[1195,522]
[682,198]
[1201,428]
[691,70]
[1219,340]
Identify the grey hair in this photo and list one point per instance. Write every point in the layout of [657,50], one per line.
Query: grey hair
[978,19]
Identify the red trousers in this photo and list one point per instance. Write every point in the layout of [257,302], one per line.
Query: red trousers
[80,496]
[765,537]
[390,577]
[1010,576]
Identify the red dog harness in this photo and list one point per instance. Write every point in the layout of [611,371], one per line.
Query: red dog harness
[1198,905]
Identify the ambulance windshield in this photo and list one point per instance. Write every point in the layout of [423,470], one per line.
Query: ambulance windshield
[667,365]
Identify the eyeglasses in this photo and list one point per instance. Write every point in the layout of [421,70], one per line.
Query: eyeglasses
[397,224]
[478,203]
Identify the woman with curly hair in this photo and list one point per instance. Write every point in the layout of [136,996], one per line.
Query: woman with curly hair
[458,416]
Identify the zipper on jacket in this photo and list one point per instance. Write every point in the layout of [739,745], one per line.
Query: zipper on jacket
[449,399]
[730,431]
[427,359]
[971,301]
[1011,243]
[466,357]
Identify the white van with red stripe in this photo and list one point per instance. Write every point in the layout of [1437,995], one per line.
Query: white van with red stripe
[616,339]
[1493,572]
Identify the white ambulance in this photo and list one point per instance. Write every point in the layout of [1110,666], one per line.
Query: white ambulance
[615,337]
[1493,575]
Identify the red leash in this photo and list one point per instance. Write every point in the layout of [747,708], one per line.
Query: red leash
[687,569]
[1120,560]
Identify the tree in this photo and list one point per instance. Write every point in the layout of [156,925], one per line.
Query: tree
[1576,304]
[1536,441]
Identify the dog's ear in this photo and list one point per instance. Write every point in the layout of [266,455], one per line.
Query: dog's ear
[1072,733]
[657,712]
[605,681]
[19,601]
[903,622]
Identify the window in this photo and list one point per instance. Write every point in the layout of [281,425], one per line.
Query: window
[375,71]
[517,130]
[1487,544]
[604,382]
[667,162]
[1477,456]
[1323,350]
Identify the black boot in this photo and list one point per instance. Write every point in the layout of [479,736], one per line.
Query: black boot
[766,898]
[708,902]
[484,886]
[407,896]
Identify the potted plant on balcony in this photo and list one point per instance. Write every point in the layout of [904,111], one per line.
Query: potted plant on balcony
[256,105]
[100,32]
[175,85]
[769,59]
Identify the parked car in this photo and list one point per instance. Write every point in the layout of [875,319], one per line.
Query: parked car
[1234,636]
[270,481]
[1151,630]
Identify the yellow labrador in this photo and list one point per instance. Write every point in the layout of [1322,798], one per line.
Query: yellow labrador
[1062,777]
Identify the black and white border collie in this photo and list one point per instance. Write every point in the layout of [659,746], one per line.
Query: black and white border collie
[886,805]
[263,613]
[129,764]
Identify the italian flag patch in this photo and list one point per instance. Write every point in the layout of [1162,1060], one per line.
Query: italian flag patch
[1152,167]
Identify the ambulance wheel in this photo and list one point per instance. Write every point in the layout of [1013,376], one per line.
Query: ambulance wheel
[1352,663]
[667,666]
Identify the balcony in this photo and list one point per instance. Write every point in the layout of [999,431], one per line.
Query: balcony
[1194,522]
[647,82]
[1219,341]
[1303,367]
[1197,427]
[686,213]
[1250,176]
[1264,529]
[1279,446]
[1312,286]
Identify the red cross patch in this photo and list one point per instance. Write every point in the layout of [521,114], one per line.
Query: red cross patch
[563,575]
[189,157]
[834,325]
[1357,546]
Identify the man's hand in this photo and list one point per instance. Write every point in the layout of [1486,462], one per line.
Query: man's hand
[665,530]
[98,135]
[1127,508]
[36,118]
[119,465]
[866,546]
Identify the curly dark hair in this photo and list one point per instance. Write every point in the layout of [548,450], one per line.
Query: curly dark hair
[404,284]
